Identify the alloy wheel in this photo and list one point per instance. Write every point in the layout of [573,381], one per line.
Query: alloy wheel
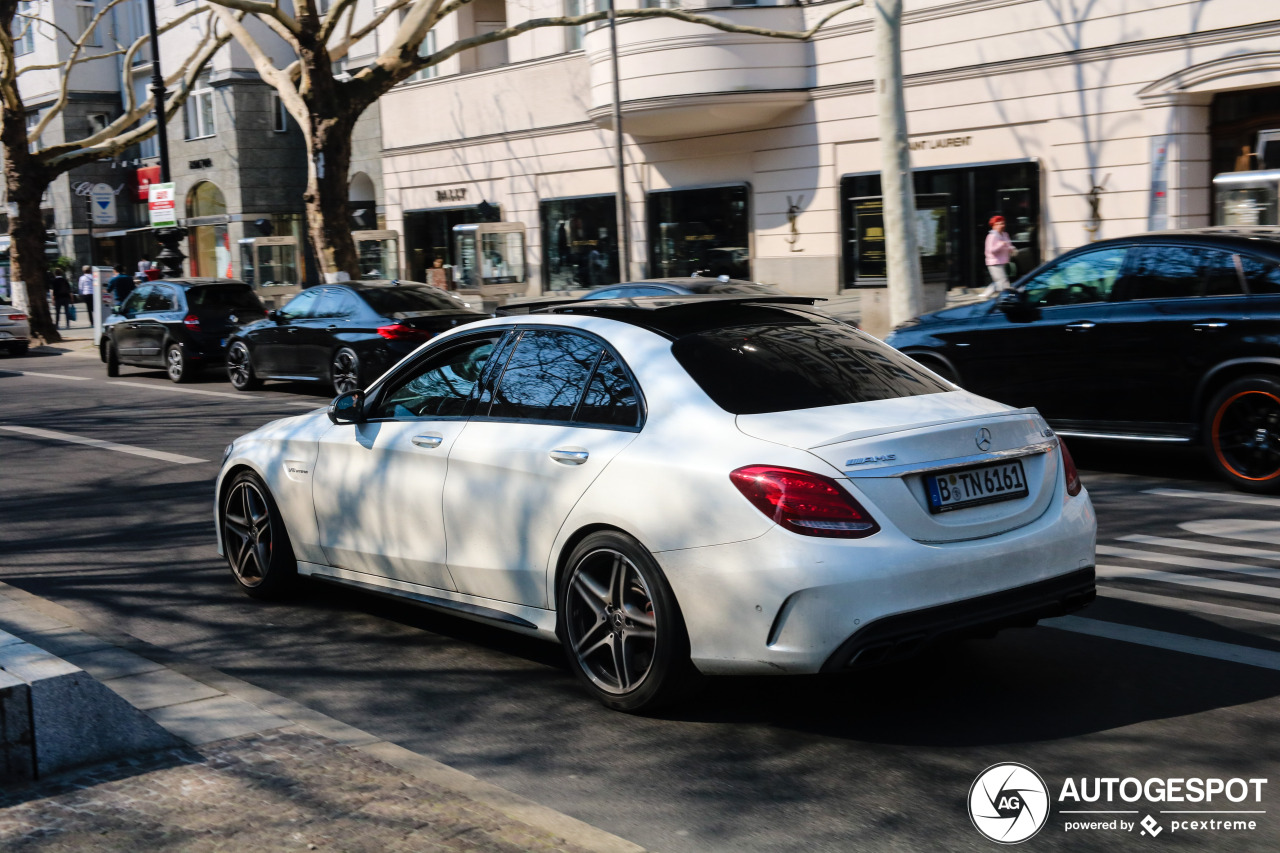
[175,363]
[248,533]
[346,371]
[1246,434]
[238,368]
[612,626]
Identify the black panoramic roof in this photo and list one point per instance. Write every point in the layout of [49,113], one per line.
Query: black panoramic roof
[1259,238]
[678,316]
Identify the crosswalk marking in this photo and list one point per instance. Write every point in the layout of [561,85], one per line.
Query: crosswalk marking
[1165,640]
[1231,497]
[1240,529]
[1210,547]
[1189,562]
[1234,587]
[1190,605]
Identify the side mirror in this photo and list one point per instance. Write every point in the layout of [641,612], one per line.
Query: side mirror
[117,309]
[274,316]
[347,408]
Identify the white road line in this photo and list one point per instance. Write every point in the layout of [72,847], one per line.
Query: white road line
[1189,562]
[169,388]
[47,375]
[105,445]
[1190,605]
[1164,640]
[1241,529]
[1230,497]
[1233,587]
[1210,547]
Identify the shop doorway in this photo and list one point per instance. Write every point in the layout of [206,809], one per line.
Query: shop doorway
[428,234]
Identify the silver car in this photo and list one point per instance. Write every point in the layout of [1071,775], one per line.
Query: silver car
[15,330]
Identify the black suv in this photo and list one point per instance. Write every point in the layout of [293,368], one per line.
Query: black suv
[1168,336]
[178,324]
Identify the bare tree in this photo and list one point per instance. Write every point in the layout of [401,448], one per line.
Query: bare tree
[327,108]
[29,167]
[897,188]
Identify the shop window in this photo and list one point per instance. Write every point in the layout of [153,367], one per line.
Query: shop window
[579,242]
[199,110]
[209,245]
[426,48]
[428,235]
[953,207]
[487,16]
[703,231]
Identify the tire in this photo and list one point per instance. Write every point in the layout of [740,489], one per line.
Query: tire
[633,657]
[176,364]
[255,540]
[111,358]
[1242,433]
[345,371]
[240,368]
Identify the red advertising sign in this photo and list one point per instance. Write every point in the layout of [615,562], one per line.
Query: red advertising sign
[147,175]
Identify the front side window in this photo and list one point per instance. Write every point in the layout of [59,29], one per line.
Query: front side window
[133,305]
[301,306]
[1220,275]
[545,376]
[801,364]
[1077,280]
[440,386]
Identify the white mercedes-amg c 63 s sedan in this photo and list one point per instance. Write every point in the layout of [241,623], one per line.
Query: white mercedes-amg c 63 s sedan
[671,487]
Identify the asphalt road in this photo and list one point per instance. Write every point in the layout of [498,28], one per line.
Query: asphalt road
[1148,683]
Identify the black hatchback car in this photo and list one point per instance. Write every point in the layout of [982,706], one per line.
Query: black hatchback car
[1167,337]
[344,334]
[178,324]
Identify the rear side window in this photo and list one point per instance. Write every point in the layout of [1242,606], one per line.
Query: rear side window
[749,370]
[389,301]
[1166,272]
[1220,275]
[159,299]
[545,376]
[229,296]
[611,398]
[1263,276]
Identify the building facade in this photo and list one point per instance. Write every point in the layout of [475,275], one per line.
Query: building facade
[759,157]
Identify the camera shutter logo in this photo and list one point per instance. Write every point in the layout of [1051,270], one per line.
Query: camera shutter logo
[1009,803]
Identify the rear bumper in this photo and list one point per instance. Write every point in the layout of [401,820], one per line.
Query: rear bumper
[900,636]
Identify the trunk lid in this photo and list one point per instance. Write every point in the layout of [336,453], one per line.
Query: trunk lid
[887,450]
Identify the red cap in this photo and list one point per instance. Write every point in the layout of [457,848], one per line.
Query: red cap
[997,218]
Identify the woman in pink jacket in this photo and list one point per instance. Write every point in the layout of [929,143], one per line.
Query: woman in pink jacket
[998,249]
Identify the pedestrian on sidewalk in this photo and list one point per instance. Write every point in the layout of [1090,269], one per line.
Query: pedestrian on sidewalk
[86,291]
[998,251]
[120,285]
[144,264]
[61,289]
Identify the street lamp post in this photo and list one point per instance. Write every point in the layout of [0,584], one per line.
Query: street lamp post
[170,256]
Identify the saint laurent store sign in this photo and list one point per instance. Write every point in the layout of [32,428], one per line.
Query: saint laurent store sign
[941,142]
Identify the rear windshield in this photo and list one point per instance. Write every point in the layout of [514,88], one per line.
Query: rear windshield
[751,369]
[233,296]
[407,300]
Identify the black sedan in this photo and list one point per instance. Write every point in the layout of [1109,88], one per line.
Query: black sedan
[687,286]
[180,325]
[344,334]
[1166,337]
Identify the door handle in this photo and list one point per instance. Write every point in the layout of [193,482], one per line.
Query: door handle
[290,329]
[430,442]
[330,328]
[569,457]
[1080,327]
[1208,327]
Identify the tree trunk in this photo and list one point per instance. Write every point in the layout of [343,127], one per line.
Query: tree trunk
[328,211]
[902,251]
[25,183]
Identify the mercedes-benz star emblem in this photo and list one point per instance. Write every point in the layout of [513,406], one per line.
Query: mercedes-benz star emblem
[983,439]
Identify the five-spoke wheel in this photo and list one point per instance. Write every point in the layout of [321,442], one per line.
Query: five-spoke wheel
[177,365]
[620,624]
[256,543]
[1243,430]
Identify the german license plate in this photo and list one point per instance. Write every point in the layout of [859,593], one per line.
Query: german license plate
[984,484]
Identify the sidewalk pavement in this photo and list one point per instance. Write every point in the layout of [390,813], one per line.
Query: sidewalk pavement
[259,772]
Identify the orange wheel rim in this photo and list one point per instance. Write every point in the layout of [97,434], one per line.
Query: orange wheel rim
[1215,436]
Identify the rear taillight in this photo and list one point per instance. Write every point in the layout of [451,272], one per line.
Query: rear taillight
[191,321]
[1069,468]
[401,332]
[17,317]
[804,503]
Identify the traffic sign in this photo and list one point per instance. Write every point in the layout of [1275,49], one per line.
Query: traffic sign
[160,201]
[102,201]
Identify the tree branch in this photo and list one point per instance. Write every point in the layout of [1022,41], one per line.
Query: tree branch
[277,78]
[352,39]
[336,12]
